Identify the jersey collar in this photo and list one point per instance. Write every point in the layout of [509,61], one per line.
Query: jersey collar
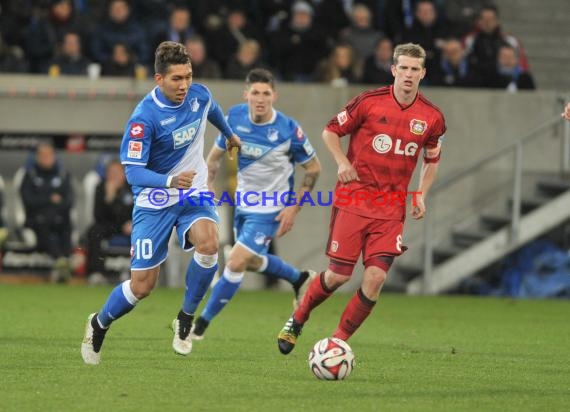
[398,103]
[161,101]
[271,120]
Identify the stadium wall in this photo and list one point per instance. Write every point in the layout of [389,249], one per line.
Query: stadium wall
[478,122]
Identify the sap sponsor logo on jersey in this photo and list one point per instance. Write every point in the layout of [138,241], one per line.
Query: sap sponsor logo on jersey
[185,135]
[252,150]
[308,148]
[342,117]
[168,120]
[382,143]
[418,126]
[272,134]
[137,130]
[135,150]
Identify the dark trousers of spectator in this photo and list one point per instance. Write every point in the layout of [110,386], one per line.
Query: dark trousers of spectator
[54,240]
[96,234]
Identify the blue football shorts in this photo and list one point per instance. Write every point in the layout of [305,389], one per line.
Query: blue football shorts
[152,229]
[255,231]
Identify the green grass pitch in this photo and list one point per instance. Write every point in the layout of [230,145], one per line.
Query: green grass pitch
[412,354]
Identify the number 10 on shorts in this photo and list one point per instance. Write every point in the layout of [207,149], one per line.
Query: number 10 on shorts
[143,249]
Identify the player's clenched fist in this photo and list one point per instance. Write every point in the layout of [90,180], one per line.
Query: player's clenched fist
[183,180]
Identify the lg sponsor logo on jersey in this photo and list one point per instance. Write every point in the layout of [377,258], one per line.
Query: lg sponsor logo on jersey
[382,143]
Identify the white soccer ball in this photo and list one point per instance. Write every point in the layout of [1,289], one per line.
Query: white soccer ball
[331,359]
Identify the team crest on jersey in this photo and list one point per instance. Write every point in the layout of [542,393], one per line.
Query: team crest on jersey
[342,117]
[260,238]
[135,150]
[272,134]
[185,135]
[418,126]
[137,130]
[334,246]
[194,105]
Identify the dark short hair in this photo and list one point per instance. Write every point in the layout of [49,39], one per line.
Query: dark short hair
[169,53]
[260,76]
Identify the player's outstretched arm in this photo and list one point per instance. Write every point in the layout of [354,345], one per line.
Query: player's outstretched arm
[346,173]
[213,161]
[288,214]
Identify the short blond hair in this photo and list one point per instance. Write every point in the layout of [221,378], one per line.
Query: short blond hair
[410,50]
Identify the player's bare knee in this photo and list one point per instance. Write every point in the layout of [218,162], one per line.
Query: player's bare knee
[208,247]
[334,280]
[237,264]
[141,289]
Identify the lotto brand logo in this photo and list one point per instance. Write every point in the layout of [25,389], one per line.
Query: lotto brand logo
[185,135]
[383,143]
[137,130]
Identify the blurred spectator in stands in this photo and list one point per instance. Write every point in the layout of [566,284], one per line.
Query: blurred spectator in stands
[12,58]
[340,68]
[333,16]
[483,45]
[428,32]
[69,60]
[118,27]
[179,27]
[378,67]
[225,41]
[509,74]
[247,57]
[153,15]
[47,30]
[566,113]
[121,64]
[296,48]
[112,211]
[47,195]
[399,15]
[202,66]
[453,68]
[15,16]
[209,15]
[461,15]
[361,35]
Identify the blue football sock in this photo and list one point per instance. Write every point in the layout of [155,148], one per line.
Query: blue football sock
[278,268]
[120,302]
[199,275]
[222,293]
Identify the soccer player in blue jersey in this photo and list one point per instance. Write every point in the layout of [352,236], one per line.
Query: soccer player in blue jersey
[162,152]
[272,144]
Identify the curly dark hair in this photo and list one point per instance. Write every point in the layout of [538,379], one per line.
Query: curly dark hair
[169,53]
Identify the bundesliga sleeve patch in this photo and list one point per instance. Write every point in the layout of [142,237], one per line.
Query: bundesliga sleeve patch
[135,150]
[137,130]
[299,132]
[342,117]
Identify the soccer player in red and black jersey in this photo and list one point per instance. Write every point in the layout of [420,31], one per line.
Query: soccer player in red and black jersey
[389,128]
